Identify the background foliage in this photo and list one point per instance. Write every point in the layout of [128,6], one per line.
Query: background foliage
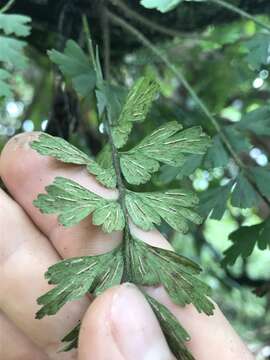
[226,60]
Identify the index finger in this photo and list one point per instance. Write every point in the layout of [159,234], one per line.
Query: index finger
[26,173]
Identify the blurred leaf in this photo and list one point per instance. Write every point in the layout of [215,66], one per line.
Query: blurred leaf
[169,173]
[259,53]
[236,138]
[11,52]
[161,5]
[214,201]
[262,178]
[75,65]
[5,90]
[192,163]
[257,121]
[217,155]
[244,240]
[243,195]
[15,24]
[72,338]
[111,97]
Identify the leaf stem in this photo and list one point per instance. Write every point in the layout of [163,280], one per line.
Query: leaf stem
[6,7]
[116,159]
[122,193]
[89,41]
[122,23]
[241,12]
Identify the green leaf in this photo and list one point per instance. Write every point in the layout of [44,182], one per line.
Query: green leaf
[104,157]
[258,50]
[244,241]
[77,276]
[175,334]
[62,150]
[110,97]
[236,138]
[169,173]
[137,169]
[109,215]
[73,203]
[214,201]
[72,338]
[153,266]
[107,176]
[173,206]
[257,121]
[262,179]
[15,24]
[167,145]
[216,155]
[243,195]
[11,52]
[161,5]
[192,163]
[5,90]
[75,65]
[136,108]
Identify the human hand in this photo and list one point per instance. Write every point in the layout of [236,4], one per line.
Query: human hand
[119,324]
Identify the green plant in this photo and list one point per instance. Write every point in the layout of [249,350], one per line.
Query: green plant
[11,50]
[206,79]
[134,260]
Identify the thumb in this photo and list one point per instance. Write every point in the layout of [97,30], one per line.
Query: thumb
[120,325]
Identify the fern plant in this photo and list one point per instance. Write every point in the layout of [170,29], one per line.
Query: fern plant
[132,261]
[11,51]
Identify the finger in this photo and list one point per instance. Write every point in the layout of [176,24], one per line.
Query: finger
[121,325]
[26,173]
[48,168]
[14,345]
[25,255]
[212,337]
[216,339]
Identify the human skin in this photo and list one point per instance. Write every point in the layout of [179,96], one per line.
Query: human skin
[119,324]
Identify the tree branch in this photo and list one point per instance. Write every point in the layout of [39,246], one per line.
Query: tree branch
[127,11]
[6,7]
[241,12]
[106,42]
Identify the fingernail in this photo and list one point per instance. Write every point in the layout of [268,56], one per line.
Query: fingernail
[134,327]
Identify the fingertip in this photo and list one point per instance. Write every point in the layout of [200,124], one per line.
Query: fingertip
[122,321]
[19,162]
[17,159]
[26,173]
